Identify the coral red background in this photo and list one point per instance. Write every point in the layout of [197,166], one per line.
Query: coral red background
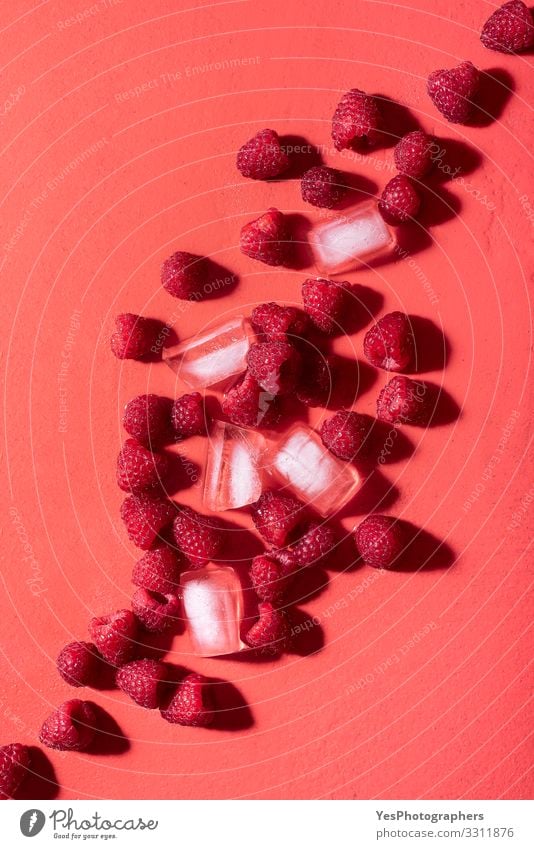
[100,185]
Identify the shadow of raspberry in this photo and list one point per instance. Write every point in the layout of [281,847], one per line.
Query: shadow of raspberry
[109,738]
[423,550]
[40,781]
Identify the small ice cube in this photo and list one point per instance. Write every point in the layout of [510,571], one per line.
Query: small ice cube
[213,356]
[339,244]
[233,467]
[213,608]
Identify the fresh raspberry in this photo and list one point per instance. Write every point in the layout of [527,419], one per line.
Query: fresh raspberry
[266,238]
[315,383]
[143,681]
[71,727]
[183,275]
[322,186]
[317,541]
[246,404]
[276,321]
[346,434]
[356,122]
[380,540]
[509,29]
[78,664]
[148,419]
[188,417]
[271,633]
[399,201]
[144,517]
[453,91]
[157,612]
[413,154]
[403,400]
[262,156]
[324,301]
[134,337]
[14,764]
[275,366]
[192,703]
[390,343]
[115,636]
[158,570]
[197,536]
[275,514]
[271,577]
[139,469]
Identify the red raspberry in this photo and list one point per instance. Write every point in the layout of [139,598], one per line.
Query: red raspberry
[316,542]
[158,571]
[509,29]
[183,275]
[246,404]
[271,577]
[275,365]
[157,612]
[315,384]
[356,122]
[143,681]
[390,343]
[380,540]
[275,514]
[266,238]
[148,419]
[197,536]
[14,764]
[262,157]
[134,337]
[399,201]
[276,321]
[71,727]
[139,469]
[322,186]
[192,703]
[413,154]
[271,633]
[78,664]
[188,418]
[115,636]
[324,302]
[145,516]
[346,434]
[452,91]
[403,400]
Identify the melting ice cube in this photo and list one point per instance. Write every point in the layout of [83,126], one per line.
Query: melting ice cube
[340,243]
[213,356]
[213,607]
[233,467]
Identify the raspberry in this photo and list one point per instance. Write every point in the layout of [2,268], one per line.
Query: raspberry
[157,612]
[399,201]
[192,703]
[246,404]
[134,337]
[158,571]
[324,301]
[315,384]
[262,157]
[197,536]
[148,419]
[183,275]
[413,154]
[390,343]
[270,577]
[266,238]
[145,516]
[143,681]
[14,764]
[322,186]
[275,366]
[380,540]
[452,91]
[271,633]
[316,542]
[346,434]
[275,514]
[188,417]
[115,636]
[356,122]
[71,727]
[403,400]
[78,664]
[276,321]
[509,29]
[139,469]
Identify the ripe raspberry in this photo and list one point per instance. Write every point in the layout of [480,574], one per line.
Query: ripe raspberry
[275,366]
[453,91]
[380,540]
[246,404]
[14,764]
[271,633]
[316,542]
[192,703]
[403,400]
[148,419]
[356,122]
[322,186]
[399,201]
[115,636]
[390,343]
[78,664]
[143,681]
[275,514]
[315,383]
[139,469]
[346,434]
[197,536]
[183,275]
[71,727]
[266,238]
[134,337]
[413,154]
[276,321]
[158,571]
[324,302]
[509,29]
[145,516]
[262,157]
[157,612]
[270,577]
[188,417]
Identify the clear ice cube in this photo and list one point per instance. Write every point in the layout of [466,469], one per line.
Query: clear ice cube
[340,243]
[233,476]
[213,608]
[212,356]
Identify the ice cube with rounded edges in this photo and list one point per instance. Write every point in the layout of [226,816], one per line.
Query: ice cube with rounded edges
[340,243]
[212,356]
[212,600]
[233,476]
